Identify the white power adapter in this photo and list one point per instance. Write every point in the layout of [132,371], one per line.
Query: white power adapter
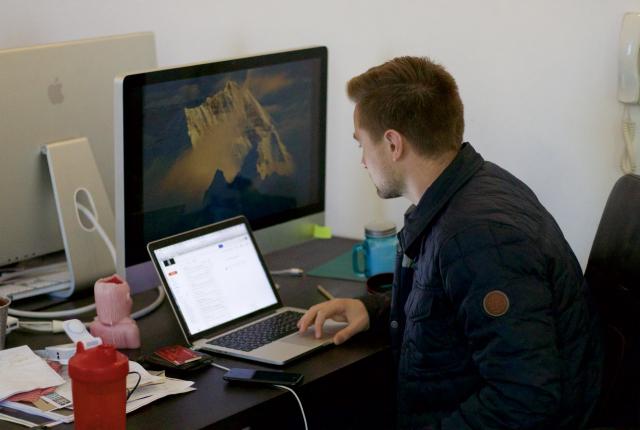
[61,353]
[77,332]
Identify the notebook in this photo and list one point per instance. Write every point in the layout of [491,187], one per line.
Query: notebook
[224,298]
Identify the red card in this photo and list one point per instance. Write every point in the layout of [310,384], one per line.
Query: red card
[177,354]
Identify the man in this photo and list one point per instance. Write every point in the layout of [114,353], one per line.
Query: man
[490,322]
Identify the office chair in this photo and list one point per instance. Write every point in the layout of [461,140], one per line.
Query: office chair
[613,275]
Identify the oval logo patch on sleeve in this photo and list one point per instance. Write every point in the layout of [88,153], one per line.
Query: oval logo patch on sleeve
[495,303]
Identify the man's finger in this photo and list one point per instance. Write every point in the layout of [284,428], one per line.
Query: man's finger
[321,316]
[305,321]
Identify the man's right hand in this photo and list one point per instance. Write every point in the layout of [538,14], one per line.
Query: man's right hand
[351,311]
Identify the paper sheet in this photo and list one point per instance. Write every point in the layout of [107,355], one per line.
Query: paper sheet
[22,370]
[64,390]
[145,395]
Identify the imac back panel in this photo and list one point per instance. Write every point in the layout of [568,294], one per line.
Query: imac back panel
[51,93]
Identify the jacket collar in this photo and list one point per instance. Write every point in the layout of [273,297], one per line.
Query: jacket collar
[418,218]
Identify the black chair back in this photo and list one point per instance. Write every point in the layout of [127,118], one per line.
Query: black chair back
[613,275]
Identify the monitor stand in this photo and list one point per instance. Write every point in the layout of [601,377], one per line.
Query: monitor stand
[76,180]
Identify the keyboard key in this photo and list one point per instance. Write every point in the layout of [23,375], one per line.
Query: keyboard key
[260,333]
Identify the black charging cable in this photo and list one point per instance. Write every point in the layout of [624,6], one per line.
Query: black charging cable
[130,392]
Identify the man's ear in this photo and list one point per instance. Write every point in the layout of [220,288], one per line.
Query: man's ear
[395,142]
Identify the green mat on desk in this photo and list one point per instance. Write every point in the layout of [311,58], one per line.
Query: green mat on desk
[339,268]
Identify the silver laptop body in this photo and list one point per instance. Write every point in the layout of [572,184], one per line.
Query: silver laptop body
[217,283]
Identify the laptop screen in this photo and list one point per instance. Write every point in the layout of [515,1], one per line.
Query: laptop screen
[215,278]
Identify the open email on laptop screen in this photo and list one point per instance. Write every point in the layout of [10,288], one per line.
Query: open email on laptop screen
[216,278]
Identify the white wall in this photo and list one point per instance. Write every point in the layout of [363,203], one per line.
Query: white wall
[538,78]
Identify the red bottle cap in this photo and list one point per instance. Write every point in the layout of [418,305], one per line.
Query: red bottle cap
[100,364]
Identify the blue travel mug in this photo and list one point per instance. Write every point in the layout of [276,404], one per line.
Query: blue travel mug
[378,251]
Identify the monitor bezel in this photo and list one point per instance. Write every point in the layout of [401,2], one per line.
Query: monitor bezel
[131,105]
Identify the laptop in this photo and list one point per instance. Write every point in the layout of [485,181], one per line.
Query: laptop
[224,298]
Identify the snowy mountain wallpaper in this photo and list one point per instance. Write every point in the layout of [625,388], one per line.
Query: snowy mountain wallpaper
[221,145]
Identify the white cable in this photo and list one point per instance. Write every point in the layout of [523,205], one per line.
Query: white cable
[299,403]
[152,307]
[99,229]
[52,314]
[226,369]
[41,327]
[292,271]
[54,326]
[628,163]
[73,312]
[304,417]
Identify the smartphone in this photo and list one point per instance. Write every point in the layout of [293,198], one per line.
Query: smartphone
[272,377]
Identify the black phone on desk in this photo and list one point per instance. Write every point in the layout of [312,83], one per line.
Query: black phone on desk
[271,377]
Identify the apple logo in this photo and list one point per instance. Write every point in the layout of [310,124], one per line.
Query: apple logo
[55,92]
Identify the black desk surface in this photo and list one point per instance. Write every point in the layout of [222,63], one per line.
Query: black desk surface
[348,386]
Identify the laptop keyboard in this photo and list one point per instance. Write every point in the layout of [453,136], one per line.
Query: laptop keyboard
[260,333]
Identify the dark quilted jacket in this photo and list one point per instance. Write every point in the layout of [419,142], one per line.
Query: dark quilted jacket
[477,232]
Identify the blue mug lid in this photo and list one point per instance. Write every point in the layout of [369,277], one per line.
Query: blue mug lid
[380,229]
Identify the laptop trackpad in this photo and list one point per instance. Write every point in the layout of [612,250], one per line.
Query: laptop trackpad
[308,338]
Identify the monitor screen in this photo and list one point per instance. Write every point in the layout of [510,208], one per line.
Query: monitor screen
[51,93]
[205,142]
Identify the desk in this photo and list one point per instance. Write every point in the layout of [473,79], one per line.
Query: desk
[345,387]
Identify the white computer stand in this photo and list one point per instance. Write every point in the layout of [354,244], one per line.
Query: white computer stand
[75,177]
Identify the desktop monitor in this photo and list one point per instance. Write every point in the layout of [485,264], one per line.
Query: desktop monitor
[200,143]
[51,93]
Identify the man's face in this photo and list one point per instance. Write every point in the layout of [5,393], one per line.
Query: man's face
[376,158]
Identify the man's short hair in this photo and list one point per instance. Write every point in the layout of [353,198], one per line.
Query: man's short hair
[414,96]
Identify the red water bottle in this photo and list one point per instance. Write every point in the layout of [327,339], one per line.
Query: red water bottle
[98,383]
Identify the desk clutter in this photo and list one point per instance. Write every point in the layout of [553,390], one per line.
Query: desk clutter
[36,392]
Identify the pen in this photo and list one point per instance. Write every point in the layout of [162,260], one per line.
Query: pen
[325,293]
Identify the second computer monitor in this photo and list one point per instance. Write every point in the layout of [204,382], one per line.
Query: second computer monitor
[205,142]
[51,93]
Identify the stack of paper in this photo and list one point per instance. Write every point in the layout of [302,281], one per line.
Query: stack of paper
[150,388]
[22,370]
[33,394]
[25,374]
